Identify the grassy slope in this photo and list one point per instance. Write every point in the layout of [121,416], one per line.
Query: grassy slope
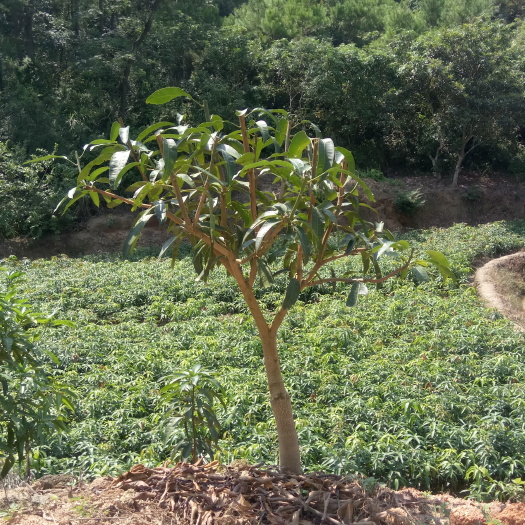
[418,384]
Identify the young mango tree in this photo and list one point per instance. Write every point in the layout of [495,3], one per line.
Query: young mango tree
[205,183]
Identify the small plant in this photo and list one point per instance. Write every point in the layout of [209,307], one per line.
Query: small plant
[372,173]
[473,194]
[190,396]
[31,401]
[408,202]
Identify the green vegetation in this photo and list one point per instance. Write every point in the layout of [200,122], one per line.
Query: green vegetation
[207,187]
[189,397]
[418,385]
[32,402]
[429,86]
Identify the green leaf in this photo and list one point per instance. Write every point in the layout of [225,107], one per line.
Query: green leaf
[116,165]
[264,273]
[46,157]
[292,293]
[135,232]
[264,229]
[160,211]
[351,243]
[305,243]
[152,128]
[438,258]
[420,274]
[121,174]
[317,222]
[263,127]
[298,144]
[124,134]
[350,162]
[356,290]
[164,95]
[115,128]
[326,155]
[170,156]
[241,209]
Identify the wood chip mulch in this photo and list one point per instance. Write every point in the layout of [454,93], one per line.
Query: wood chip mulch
[206,494]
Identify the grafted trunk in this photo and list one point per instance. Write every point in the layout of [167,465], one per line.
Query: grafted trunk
[289,454]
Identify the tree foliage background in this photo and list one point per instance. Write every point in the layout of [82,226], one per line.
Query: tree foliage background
[69,68]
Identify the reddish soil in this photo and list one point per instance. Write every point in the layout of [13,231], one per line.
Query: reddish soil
[476,200]
[239,494]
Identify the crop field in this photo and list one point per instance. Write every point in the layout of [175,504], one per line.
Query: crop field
[419,384]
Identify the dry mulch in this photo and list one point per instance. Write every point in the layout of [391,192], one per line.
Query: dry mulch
[207,494]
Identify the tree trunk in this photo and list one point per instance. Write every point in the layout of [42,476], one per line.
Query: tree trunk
[457,169]
[124,83]
[289,454]
[29,43]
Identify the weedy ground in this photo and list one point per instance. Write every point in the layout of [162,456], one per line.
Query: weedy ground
[418,385]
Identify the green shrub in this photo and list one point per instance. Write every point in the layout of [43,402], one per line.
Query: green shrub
[414,388]
[31,401]
[408,202]
[29,194]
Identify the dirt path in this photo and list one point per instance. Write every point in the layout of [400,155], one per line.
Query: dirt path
[501,285]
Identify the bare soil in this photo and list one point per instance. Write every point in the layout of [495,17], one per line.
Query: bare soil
[238,494]
[478,199]
[501,285]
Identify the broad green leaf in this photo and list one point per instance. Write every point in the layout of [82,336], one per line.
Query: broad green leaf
[264,273]
[350,243]
[280,131]
[356,290]
[292,293]
[318,222]
[264,229]
[150,129]
[439,258]
[299,166]
[326,155]
[228,149]
[420,274]
[305,243]
[135,232]
[124,134]
[384,248]
[170,156]
[263,127]
[298,144]
[117,163]
[350,162]
[115,128]
[121,174]
[241,209]
[95,197]
[164,95]
[160,211]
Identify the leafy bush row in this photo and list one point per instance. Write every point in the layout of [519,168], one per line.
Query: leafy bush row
[412,387]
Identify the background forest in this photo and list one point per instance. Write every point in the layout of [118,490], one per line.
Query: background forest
[428,86]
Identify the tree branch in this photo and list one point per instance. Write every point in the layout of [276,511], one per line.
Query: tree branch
[361,280]
[218,248]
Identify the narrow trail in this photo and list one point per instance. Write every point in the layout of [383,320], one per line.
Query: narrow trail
[501,285]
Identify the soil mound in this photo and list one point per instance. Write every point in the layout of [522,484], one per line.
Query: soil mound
[241,494]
